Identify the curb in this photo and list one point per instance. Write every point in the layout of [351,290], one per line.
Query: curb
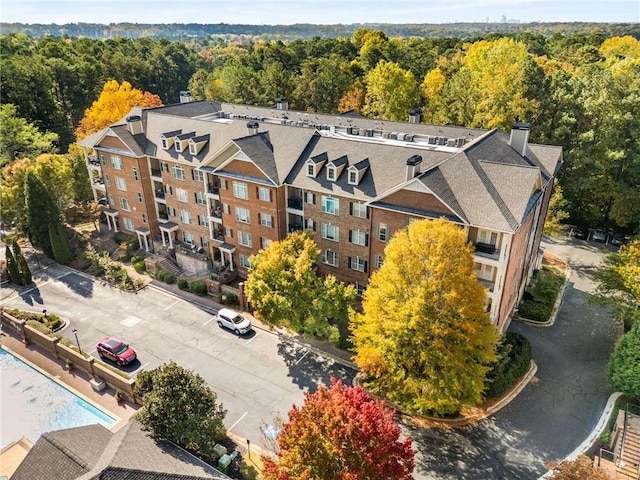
[556,305]
[593,436]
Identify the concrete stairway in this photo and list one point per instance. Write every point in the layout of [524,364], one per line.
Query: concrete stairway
[630,455]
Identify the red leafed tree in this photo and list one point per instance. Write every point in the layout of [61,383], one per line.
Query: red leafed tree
[341,433]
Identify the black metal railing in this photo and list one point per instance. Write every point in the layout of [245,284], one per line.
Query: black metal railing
[295,203]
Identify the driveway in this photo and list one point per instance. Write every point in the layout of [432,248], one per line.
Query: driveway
[557,411]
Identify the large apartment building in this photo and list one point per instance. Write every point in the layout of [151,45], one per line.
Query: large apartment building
[217,182]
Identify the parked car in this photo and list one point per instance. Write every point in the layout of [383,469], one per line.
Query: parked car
[600,235]
[618,239]
[579,233]
[233,320]
[116,351]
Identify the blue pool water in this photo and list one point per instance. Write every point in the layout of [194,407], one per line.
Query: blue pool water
[32,404]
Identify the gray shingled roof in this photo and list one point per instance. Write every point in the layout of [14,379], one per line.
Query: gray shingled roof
[93,452]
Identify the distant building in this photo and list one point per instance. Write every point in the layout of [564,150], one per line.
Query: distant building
[217,182]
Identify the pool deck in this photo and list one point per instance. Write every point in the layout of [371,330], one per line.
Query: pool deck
[75,380]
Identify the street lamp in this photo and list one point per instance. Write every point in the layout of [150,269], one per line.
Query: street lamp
[249,447]
[75,333]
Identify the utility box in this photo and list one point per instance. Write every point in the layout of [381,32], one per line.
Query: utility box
[219,450]
[224,462]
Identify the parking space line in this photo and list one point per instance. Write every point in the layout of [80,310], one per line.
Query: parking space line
[208,321]
[169,306]
[254,337]
[300,359]
[140,367]
[237,421]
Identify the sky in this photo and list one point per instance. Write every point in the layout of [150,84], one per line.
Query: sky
[286,12]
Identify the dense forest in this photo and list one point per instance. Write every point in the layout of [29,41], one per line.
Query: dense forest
[239,32]
[580,91]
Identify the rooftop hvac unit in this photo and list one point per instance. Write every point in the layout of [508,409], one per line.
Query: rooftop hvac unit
[431,140]
[355,131]
[393,135]
[385,134]
[408,137]
[461,141]
[368,132]
[452,142]
[442,140]
[401,136]
[349,130]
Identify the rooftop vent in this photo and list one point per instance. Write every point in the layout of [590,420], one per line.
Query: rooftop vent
[185,97]
[413,166]
[134,124]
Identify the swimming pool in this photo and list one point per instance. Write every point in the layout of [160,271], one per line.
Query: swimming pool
[32,404]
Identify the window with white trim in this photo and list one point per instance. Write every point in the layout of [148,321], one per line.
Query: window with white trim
[310,198]
[228,232]
[171,211]
[187,238]
[165,143]
[310,224]
[353,177]
[330,232]
[139,197]
[197,175]
[202,221]
[383,232]
[311,169]
[112,200]
[134,174]
[116,162]
[223,184]
[128,224]
[164,166]
[244,238]
[264,243]
[359,210]
[266,220]
[226,209]
[264,194]
[378,261]
[358,264]
[331,172]
[244,261]
[359,289]
[204,241]
[144,218]
[121,184]
[330,257]
[243,215]
[124,204]
[240,190]
[201,198]
[330,205]
[181,195]
[185,216]
[358,237]
[102,159]
[178,172]
[107,180]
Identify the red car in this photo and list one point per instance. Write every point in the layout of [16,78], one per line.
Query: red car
[116,351]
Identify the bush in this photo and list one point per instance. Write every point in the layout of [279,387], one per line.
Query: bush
[533,310]
[168,277]
[227,298]
[183,284]
[139,266]
[514,357]
[40,327]
[198,287]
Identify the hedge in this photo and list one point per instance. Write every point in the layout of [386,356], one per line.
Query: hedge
[514,358]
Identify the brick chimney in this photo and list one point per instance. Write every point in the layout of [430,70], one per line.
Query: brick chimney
[252,127]
[414,116]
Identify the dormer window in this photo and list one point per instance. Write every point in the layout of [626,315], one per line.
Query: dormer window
[181,141]
[196,144]
[331,173]
[178,146]
[314,164]
[335,167]
[311,170]
[357,171]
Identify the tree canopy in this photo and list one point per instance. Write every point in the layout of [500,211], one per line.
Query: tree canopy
[41,210]
[282,285]
[19,138]
[579,469]
[179,406]
[341,433]
[624,364]
[423,339]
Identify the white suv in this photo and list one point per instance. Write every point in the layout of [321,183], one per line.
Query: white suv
[233,321]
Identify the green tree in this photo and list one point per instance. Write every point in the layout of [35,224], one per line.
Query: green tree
[80,183]
[23,266]
[624,364]
[179,406]
[41,212]
[12,267]
[556,212]
[322,83]
[19,138]
[619,283]
[391,92]
[341,433]
[284,288]
[12,199]
[60,245]
[423,339]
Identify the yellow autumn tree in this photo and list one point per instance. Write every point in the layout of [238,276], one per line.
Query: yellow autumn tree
[423,339]
[115,101]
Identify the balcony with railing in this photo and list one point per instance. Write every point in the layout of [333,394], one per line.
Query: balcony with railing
[488,284]
[295,203]
[217,233]
[486,250]
[93,162]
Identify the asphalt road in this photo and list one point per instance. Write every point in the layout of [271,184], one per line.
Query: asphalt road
[257,377]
